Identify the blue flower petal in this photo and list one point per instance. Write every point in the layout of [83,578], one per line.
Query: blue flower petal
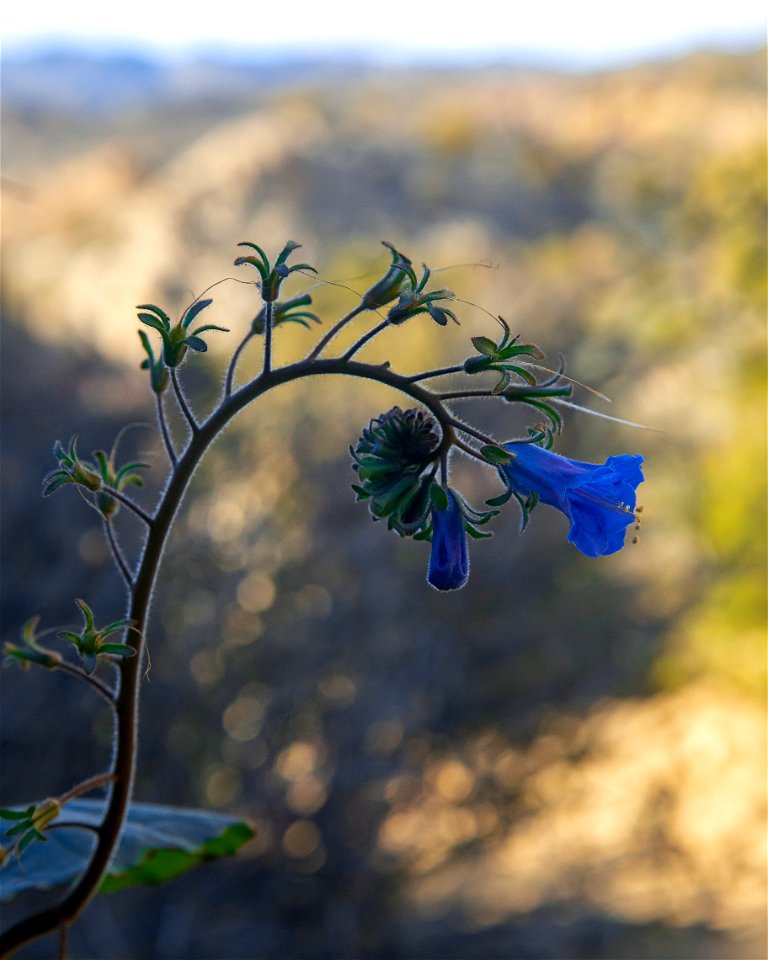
[449,560]
[598,499]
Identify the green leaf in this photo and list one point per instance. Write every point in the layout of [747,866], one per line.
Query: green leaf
[157,844]
[6,813]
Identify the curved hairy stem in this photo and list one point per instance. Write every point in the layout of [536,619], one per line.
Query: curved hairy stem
[365,338]
[323,343]
[126,700]
[117,553]
[465,394]
[92,783]
[164,432]
[97,685]
[469,450]
[230,378]
[126,501]
[268,326]
[472,432]
[182,402]
[442,372]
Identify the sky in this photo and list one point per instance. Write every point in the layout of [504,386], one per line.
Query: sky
[580,32]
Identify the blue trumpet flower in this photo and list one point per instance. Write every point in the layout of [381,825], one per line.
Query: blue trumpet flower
[598,499]
[449,560]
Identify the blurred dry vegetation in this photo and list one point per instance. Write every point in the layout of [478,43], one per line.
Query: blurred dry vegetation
[568,757]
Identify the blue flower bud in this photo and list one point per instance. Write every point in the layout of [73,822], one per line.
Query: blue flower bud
[449,559]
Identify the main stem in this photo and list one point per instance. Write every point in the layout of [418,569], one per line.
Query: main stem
[127,700]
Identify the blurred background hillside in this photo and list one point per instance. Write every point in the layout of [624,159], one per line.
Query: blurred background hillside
[565,759]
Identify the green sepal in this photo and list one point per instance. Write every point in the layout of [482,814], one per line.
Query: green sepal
[526,506]
[86,612]
[114,627]
[439,496]
[29,652]
[500,500]
[494,455]
[476,534]
[477,364]
[89,661]
[257,248]
[552,415]
[195,343]
[54,481]
[117,649]
[485,346]
[153,322]
[209,326]
[287,250]
[160,314]
[521,372]
[193,311]
[28,838]
[302,266]
[254,263]
[397,278]
[519,350]
[502,384]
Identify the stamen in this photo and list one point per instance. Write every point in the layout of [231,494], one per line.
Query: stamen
[616,506]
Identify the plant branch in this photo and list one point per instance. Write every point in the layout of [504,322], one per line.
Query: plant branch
[443,372]
[127,698]
[182,401]
[97,685]
[470,450]
[117,554]
[126,501]
[323,343]
[163,423]
[63,937]
[465,394]
[473,433]
[268,325]
[92,783]
[73,825]
[234,361]
[365,338]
